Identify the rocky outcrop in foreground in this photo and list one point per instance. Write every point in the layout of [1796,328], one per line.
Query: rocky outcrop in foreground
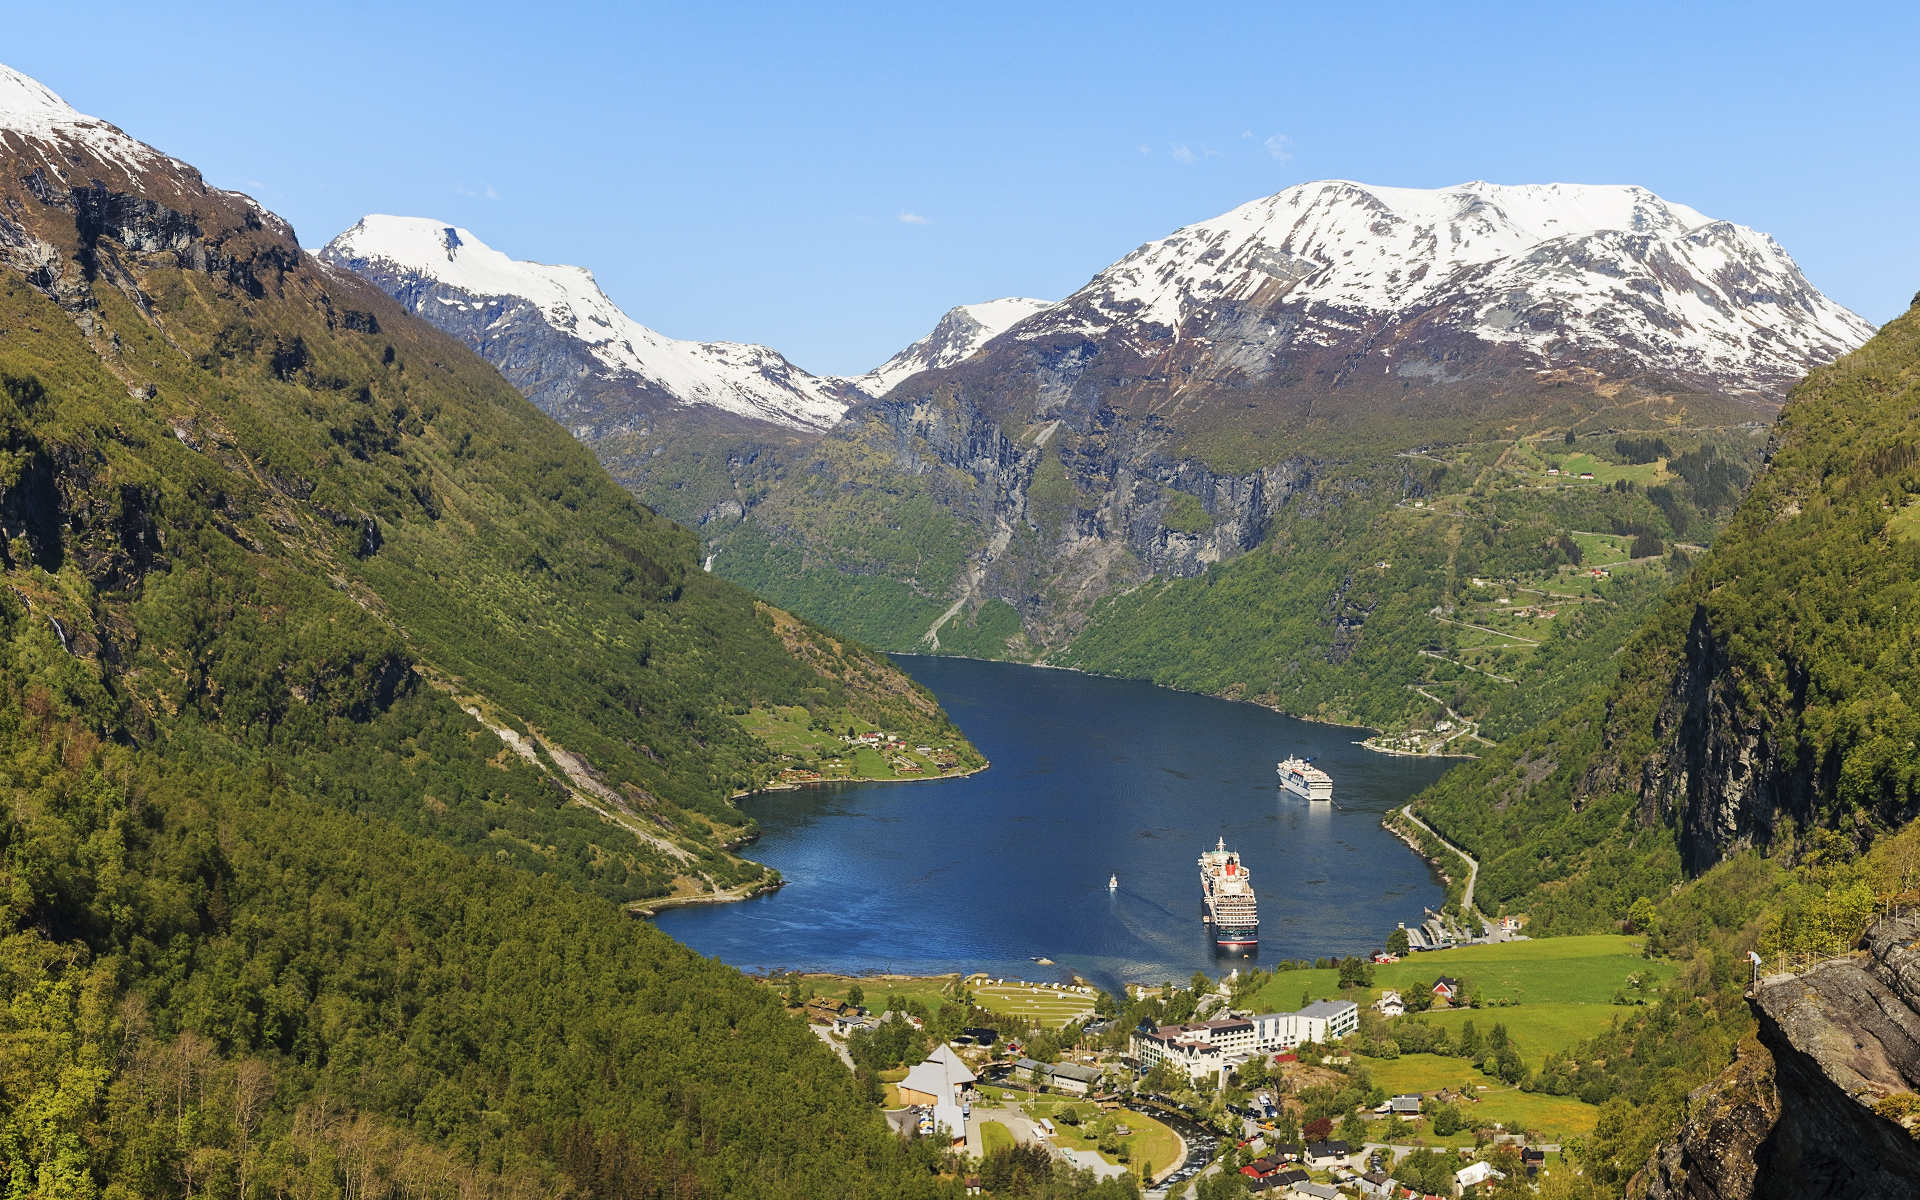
[1824,1104]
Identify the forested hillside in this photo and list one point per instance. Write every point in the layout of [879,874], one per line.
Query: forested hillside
[1766,697]
[345,704]
[1740,779]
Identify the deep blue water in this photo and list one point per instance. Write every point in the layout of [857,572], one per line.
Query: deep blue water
[1090,776]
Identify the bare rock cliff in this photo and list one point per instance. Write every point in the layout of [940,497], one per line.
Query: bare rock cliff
[1823,1105]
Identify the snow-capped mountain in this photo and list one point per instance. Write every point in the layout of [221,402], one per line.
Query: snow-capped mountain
[1605,279]
[34,118]
[1296,351]
[959,333]
[557,336]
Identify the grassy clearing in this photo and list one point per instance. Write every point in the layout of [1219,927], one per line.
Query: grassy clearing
[929,990]
[1422,1073]
[789,731]
[1602,549]
[995,1136]
[1033,1002]
[1604,472]
[1586,969]
[1904,526]
[1537,1029]
[1555,1118]
[1150,1141]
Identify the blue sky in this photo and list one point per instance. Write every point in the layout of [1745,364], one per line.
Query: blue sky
[829,179]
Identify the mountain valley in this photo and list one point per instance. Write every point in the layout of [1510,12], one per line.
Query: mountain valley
[1314,452]
[390,632]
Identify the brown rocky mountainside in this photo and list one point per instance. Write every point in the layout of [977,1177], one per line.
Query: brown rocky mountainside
[1823,1103]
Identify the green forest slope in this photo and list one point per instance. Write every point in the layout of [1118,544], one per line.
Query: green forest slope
[345,706]
[1768,694]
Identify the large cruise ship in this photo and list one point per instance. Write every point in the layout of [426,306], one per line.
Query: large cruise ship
[1226,893]
[1302,778]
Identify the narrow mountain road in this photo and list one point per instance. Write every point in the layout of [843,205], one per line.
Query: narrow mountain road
[1486,629]
[840,1048]
[1473,864]
[1467,729]
[1466,666]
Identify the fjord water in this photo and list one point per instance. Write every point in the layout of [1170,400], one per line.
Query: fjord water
[1091,777]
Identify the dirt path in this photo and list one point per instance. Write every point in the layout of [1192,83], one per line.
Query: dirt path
[1485,629]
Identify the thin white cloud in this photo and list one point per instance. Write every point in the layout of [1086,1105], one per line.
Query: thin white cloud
[483,192]
[1145,149]
[1184,155]
[913,218]
[1280,146]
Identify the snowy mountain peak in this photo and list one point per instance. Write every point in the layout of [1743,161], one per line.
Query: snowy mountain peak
[959,333]
[34,111]
[455,280]
[1566,273]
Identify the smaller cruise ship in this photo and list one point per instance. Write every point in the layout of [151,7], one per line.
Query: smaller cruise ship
[1302,778]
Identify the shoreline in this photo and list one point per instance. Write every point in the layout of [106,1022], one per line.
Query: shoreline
[1046,666]
[1462,754]
[801,785]
[648,909]
[1365,743]
[1387,823]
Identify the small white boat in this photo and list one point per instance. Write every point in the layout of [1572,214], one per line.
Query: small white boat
[1113,883]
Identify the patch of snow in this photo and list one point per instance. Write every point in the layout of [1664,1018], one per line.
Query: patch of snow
[960,334]
[34,112]
[753,381]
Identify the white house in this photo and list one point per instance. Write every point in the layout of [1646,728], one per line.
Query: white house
[1390,1005]
[1474,1175]
[1202,1050]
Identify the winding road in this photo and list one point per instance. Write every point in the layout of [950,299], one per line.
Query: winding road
[1473,864]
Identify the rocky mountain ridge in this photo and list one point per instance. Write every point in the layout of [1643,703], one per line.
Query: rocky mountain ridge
[565,344]
[1153,424]
[956,337]
[1614,281]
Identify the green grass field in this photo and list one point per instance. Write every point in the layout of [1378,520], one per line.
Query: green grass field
[1604,472]
[1602,549]
[1150,1140]
[1570,970]
[929,990]
[995,1136]
[1422,1073]
[1035,1003]
[1555,1118]
[1536,1029]
[787,729]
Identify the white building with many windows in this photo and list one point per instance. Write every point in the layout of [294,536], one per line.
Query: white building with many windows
[1203,1050]
[1322,1021]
